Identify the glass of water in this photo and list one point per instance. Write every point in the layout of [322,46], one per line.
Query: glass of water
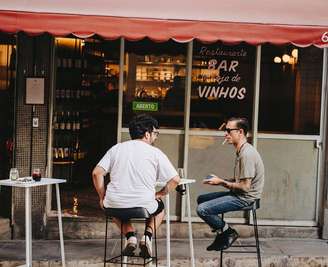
[181,172]
[181,188]
[13,174]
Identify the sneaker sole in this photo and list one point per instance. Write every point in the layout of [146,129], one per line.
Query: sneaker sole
[144,252]
[129,250]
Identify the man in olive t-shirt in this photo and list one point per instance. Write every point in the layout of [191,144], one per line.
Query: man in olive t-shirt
[245,187]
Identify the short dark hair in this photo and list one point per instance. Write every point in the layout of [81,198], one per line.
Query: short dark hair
[140,124]
[241,123]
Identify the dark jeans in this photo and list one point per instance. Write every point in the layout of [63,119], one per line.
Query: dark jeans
[210,205]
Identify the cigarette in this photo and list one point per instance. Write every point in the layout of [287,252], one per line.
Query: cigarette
[224,141]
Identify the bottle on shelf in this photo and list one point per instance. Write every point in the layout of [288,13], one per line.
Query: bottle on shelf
[62,121]
[55,150]
[62,94]
[76,150]
[68,121]
[77,121]
[55,121]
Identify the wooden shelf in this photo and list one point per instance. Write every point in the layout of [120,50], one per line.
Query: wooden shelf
[68,162]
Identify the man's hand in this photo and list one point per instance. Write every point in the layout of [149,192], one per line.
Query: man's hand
[159,195]
[170,185]
[98,182]
[214,181]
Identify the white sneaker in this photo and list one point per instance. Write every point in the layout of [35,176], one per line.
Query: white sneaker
[131,245]
[145,247]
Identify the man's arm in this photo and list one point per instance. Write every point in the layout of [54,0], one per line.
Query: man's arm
[169,187]
[98,182]
[243,185]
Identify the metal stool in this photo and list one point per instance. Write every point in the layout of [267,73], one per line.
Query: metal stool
[124,215]
[253,207]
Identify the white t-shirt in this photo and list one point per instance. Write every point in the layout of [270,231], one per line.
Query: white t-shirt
[134,167]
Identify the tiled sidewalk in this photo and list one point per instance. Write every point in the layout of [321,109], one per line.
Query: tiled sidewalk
[82,253]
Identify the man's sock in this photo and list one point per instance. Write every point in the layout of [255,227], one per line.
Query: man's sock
[149,234]
[129,234]
[225,227]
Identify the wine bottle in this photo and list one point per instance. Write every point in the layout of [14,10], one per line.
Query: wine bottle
[68,124]
[76,151]
[62,94]
[55,149]
[56,125]
[62,121]
[58,92]
[68,94]
[77,121]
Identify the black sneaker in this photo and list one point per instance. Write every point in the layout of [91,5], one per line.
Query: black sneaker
[130,247]
[217,241]
[223,240]
[229,237]
[145,247]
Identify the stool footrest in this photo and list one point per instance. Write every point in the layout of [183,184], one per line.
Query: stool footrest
[243,246]
[117,260]
[238,251]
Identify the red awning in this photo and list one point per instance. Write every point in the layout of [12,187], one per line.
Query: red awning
[299,22]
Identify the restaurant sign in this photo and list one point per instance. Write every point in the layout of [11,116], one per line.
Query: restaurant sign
[223,73]
[144,106]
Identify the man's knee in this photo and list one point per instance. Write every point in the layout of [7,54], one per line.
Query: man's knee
[199,199]
[201,210]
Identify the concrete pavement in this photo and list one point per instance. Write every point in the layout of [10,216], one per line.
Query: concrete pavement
[82,253]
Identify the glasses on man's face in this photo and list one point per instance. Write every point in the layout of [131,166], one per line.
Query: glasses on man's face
[156,133]
[228,130]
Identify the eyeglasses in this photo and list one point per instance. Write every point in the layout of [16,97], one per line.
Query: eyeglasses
[228,130]
[156,133]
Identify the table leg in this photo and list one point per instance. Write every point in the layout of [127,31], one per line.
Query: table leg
[28,227]
[59,214]
[168,231]
[191,243]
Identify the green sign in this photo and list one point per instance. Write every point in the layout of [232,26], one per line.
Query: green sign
[144,106]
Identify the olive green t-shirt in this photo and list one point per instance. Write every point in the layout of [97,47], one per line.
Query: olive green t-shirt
[248,164]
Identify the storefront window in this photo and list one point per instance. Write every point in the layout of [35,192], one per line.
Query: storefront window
[85,116]
[222,83]
[290,92]
[155,81]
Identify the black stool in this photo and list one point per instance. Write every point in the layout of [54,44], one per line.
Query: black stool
[124,215]
[253,207]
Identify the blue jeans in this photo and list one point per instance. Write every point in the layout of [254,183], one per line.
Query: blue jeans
[210,205]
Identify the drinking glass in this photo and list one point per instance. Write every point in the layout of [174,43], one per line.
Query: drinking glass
[181,188]
[36,175]
[181,172]
[13,174]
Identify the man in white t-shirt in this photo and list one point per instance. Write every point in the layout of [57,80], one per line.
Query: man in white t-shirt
[134,167]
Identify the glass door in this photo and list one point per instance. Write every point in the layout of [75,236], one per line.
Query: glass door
[85,117]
